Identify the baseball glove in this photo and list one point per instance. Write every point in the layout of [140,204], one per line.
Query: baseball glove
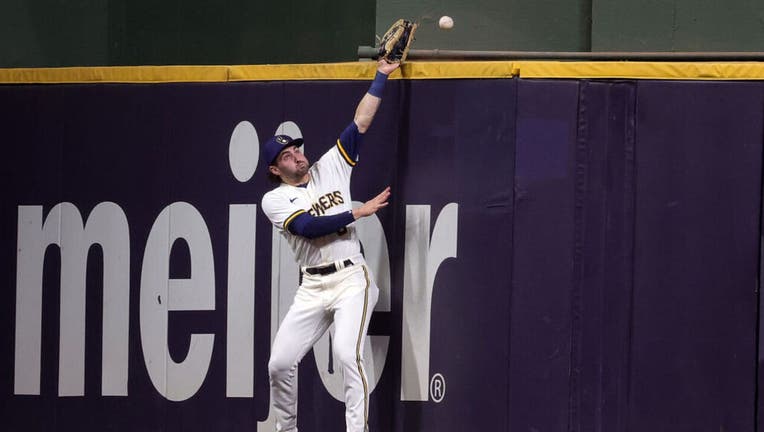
[394,44]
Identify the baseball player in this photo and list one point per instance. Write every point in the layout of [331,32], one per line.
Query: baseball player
[312,209]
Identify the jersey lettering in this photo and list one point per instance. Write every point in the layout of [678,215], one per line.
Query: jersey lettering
[325,202]
[332,199]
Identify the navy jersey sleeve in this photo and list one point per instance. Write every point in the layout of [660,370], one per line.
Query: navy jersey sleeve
[309,226]
[349,143]
[340,160]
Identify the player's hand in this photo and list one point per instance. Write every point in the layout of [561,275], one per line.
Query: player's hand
[387,68]
[371,206]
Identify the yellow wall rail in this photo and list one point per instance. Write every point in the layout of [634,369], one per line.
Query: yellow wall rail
[410,70]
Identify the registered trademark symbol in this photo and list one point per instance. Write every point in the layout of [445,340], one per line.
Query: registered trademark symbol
[437,388]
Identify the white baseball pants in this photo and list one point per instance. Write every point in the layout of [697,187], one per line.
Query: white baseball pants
[347,298]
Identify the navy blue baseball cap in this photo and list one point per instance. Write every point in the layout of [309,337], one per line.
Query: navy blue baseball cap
[276,144]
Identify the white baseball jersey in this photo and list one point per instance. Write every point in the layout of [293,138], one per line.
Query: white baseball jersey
[326,193]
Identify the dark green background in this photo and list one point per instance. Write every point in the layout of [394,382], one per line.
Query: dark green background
[141,32]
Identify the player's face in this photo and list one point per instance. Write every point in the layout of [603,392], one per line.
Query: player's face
[291,164]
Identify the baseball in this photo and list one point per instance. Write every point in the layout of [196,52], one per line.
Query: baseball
[445,22]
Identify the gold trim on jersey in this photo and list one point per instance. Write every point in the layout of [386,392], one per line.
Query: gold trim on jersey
[291,218]
[358,348]
[345,154]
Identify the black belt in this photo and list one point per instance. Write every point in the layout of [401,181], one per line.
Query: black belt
[327,269]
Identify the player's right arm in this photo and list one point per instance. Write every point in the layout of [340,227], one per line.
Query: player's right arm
[310,226]
[295,220]
[371,206]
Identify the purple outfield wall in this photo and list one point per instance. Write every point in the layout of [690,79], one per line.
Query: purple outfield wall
[559,255]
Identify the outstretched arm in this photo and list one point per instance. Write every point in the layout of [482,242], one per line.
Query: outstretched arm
[371,206]
[312,227]
[369,104]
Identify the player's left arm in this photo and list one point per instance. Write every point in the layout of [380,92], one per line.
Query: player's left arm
[349,142]
[367,108]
